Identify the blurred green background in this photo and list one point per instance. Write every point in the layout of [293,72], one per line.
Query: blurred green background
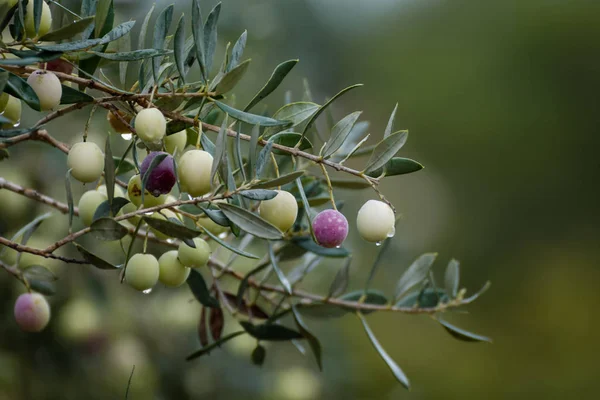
[501,101]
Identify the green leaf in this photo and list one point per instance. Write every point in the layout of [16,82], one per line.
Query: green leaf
[133,55]
[111,36]
[220,150]
[385,150]
[259,194]
[43,287]
[232,78]
[94,259]
[314,343]
[270,332]
[73,96]
[106,228]
[124,166]
[371,297]
[481,291]
[415,274]
[70,203]
[207,144]
[309,245]
[258,355]
[229,247]
[3,80]
[171,229]
[26,231]
[324,107]
[340,132]
[249,118]
[252,146]
[198,34]
[216,216]
[390,124]
[106,210]
[276,78]
[426,298]
[104,9]
[289,139]
[296,113]
[144,29]
[198,286]
[210,37]
[37,14]
[341,280]
[350,184]
[237,52]
[461,334]
[28,57]
[323,310]
[212,346]
[161,28]
[68,31]
[38,272]
[18,87]
[250,222]
[8,133]
[179,46]
[452,278]
[280,275]
[264,157]
[109,171]
[398,373]
[282,180]
[397,166]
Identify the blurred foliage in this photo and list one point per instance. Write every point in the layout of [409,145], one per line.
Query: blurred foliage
[500,100]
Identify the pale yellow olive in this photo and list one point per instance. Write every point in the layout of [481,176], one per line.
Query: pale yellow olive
[32,312]
[45,20]
[129,208]
[88,204]
[119,192]
[281,210]
[47,87]
[176,143]
[134,191]
[10,108]
[86,161]
[172,272]
[142,271]
[194,257]
[194,172]
[150,125]
[375,221]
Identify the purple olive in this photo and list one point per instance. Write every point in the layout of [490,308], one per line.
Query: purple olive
[330,228]
[162,177]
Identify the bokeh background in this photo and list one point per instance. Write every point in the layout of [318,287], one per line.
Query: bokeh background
[501,101]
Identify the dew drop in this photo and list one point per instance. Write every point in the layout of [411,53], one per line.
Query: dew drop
[147,291]
[338,247]
[126,136]
[392,232]
[378,243]
[222,235]
[170,241]
[149,213]
[16,125]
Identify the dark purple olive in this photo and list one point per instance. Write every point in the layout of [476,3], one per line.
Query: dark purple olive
[162,178]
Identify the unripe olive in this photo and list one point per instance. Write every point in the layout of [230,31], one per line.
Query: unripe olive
[117,124]
[194,257]
[375,221]
[330,228]
[88,203]
[129,208]
[10,107]
[86,161]
[150,125]
[45,20]
[134,191]
[281,210]
[162,178]
[172,272]
[176,142]
[208,224]
[118,192]
[32,312]
[194,172]
[142,271]
[47,87]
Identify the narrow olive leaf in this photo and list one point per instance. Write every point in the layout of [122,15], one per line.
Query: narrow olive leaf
[28,57]
[37,14]
[237,51]
[461,334]
[18,87]
[216,216]
[245,282]
[238,153]
[4,120]
[481,291]
[103,9]
[230,247]
[144,29]
[111,36]
[161,28]
[176,127]
[9,133]
[44,287]
[39,273]
[249,118]
[259,194]
[264,158]
[313,342]
[202,332]
[385,150]
[207,144]
[3,80]
[198,34]
[179,48]
[350,184]
[258,355]
[73,96]
[216,322]
[296,112]
[340,132]
[452,277]
[123,166]
[323,310]
[212,346]
[341,280]
[210,37]
[390,124]
[370,297]
[425,298]
[274,81]
[290,139]
[398,373]
[280,181]
[415,274]
[171,229]
[105,209]
[397,166]
[324,107]
[270,332]
[198,286]
[232,78]
[94,259]
[109,171]
[132,55]
[250,222]
[309,245]
[253,145]
[220,151]
[70,203]
[280,275]
[107,229]
[68,31]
